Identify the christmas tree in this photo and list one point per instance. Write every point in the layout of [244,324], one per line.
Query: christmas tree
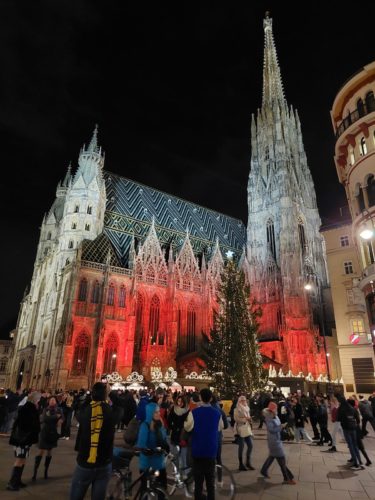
[231,353]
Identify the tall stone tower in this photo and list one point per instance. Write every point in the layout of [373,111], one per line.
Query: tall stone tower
[284,246]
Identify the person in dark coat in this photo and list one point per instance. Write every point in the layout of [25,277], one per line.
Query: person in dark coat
[313,411]
[175,421]
[94,444]
[24,434]
[130,407]
[51,417]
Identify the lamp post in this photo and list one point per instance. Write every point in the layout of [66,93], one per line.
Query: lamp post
[313,281]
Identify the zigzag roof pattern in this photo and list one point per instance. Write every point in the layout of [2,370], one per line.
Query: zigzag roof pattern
[132,205]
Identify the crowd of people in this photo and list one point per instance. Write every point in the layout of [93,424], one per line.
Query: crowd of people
[188,424]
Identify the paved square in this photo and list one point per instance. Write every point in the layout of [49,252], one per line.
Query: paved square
[319,476]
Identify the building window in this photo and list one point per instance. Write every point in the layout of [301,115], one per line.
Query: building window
[49,235]
[95,293]
[370,101]
[111,295]
[271,238]
[87,227]
[74,225]
[302,236]
[70,245]
[76,209]
[344,241]
[371,190]
[154,320]
[89,210]
[350,297]
[110,354]
[3,364]
[139,322]
[191,326]
[46,251]
[360,108]
[122,297]
[348,267]
[6,349]
[363,147]
[81,354]
[179,330]
[351,156]
[357,326]
[82,293]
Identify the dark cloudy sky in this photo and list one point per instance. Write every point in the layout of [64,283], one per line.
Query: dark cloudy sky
[172,86]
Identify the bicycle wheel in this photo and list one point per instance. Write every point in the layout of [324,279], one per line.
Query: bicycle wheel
[172,476]
[224,483]
[225,486]
[115,488]
[154,493]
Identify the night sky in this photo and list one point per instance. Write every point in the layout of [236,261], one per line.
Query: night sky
[172,86]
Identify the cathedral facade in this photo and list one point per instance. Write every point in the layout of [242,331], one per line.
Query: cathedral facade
[125,276]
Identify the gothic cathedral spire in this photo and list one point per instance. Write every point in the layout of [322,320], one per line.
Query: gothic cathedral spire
[283,240]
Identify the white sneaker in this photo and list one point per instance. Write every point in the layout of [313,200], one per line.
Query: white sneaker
[67,438]
[220,484]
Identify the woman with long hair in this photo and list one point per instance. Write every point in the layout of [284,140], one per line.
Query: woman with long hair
[176,419]
[243,422]
[25,433]
[48,437]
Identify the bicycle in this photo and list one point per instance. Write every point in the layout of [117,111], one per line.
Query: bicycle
[121,486]
[225,486]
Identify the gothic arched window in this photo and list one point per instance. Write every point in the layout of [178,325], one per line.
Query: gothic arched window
[370,101]
[363,147]
[82,293]
[271,237]
[179,329]
[302,236]
[122,297]
[139,321]
[81,354]
[360,107]
[49,235]
[153,326]
[95,293]
[111,295]
[191,326]
[110,354]
[371,190]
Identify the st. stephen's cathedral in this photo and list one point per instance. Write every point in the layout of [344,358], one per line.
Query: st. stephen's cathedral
[125,276]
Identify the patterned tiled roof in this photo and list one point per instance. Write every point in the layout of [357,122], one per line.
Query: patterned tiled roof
[132,205]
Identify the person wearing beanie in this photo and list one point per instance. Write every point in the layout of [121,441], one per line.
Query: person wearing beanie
[275,445]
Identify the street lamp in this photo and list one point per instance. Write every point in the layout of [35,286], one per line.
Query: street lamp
[367,232]
[313,282]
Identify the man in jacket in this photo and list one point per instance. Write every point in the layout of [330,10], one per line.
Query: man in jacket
[204,422]
[94,445]
[365,410]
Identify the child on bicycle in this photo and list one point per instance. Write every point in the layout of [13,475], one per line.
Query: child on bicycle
[152,435]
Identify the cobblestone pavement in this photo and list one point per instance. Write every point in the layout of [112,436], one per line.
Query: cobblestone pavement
[320,476]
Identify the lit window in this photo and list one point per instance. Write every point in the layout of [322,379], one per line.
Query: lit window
[89,210]
[348,267]
[352,157]
[344,241]
[363,147]
[357,326]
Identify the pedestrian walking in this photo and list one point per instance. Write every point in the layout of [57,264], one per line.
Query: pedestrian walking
[349,418]
[299,421]
[94,445]
[24,434]
[336,425]
[51,417]
[365,410]
[275,445]
[359,434]
[243,422]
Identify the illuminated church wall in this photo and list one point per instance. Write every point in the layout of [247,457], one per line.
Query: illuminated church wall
[125,276]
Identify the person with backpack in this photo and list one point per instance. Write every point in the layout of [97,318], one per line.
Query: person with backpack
[152,436]
[325,436]
[360,444]
[349,419]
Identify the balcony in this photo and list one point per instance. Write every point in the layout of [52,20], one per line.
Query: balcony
[355,116]
[368,276]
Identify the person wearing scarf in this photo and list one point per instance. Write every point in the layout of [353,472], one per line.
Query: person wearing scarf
[94,444]
[242,418]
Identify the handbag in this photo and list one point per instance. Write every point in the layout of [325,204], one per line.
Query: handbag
[244,430]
